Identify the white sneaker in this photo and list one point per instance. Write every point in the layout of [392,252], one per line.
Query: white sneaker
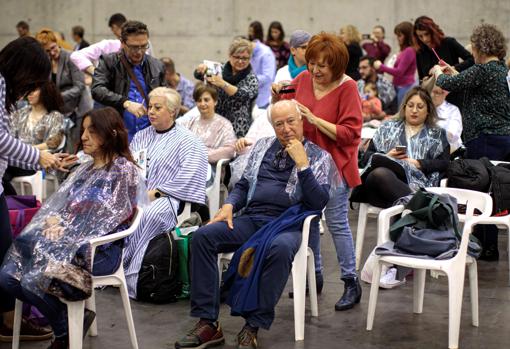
[389,280]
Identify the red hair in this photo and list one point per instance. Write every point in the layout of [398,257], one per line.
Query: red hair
[334,52]
[427,24]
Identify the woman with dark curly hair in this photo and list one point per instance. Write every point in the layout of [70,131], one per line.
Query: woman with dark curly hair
[428,37]
[485,107]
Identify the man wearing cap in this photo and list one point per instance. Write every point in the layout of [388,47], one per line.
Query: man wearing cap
[297,62]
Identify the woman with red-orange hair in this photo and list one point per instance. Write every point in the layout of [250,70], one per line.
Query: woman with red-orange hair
[428,37]
[330,104]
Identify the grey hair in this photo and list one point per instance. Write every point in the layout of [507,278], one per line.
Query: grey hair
[172,98]
[290,102]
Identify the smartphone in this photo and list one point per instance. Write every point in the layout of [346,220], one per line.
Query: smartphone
[287,90]
[401,148]
[365,36]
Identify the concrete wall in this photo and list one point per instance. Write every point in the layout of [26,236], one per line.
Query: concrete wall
[192,30]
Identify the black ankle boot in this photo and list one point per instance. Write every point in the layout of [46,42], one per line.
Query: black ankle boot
[351,296]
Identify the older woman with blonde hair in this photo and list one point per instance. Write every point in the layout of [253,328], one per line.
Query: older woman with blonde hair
[174,163]
[352,38]
[237,85]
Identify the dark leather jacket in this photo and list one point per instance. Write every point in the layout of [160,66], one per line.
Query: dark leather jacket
[110,85]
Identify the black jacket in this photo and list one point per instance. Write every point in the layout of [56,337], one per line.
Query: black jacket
[70,82]
[449,50]
[110,85]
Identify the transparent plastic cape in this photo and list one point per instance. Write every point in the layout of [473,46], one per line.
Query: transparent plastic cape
[91,203]
[321,163]
[427,144]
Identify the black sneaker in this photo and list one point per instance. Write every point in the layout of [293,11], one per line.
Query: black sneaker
[247,338]
[204,335]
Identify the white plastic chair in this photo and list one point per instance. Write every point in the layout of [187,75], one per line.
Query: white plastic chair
[303,265]
[365,210]
[502,222]
[36,183]
[454,268]
[215,191]
[185,214]
[75,310]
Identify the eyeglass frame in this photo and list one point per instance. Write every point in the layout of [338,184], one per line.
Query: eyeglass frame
[241,59]
[134,48]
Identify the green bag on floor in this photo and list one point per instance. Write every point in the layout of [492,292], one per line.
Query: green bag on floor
[183,249]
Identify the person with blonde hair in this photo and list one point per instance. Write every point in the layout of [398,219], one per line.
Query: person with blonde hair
[68,78]
[352,38]
[174,162]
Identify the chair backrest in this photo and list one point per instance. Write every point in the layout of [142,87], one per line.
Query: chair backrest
[472,199]
[135,222]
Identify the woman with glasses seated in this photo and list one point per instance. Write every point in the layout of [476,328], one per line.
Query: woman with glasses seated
[405,154]
[237,86]
[40,124]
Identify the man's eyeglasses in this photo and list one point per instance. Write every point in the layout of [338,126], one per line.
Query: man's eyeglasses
[241,59]
[134,48]
[292,121]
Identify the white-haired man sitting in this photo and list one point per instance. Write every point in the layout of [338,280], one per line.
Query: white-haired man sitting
[287,177]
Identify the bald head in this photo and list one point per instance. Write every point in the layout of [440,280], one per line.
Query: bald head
[286,120]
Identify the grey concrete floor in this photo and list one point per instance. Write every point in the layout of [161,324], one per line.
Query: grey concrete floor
[395,326]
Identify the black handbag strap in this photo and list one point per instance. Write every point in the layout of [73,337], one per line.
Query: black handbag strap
[132,76]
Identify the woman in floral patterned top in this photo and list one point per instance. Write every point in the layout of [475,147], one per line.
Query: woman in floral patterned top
[485,110]
[39,124]
[280,48]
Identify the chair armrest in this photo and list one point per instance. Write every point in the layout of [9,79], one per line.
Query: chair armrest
[119,235]
[384,221]
[306,230]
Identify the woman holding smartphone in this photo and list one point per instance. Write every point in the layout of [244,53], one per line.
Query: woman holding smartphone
[404,154]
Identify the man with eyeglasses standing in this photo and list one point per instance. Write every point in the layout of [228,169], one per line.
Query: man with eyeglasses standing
[297,62]
[284,173]
[124,79]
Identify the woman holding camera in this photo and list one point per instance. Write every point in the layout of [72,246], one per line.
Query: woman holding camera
[404,154]
[237,86]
